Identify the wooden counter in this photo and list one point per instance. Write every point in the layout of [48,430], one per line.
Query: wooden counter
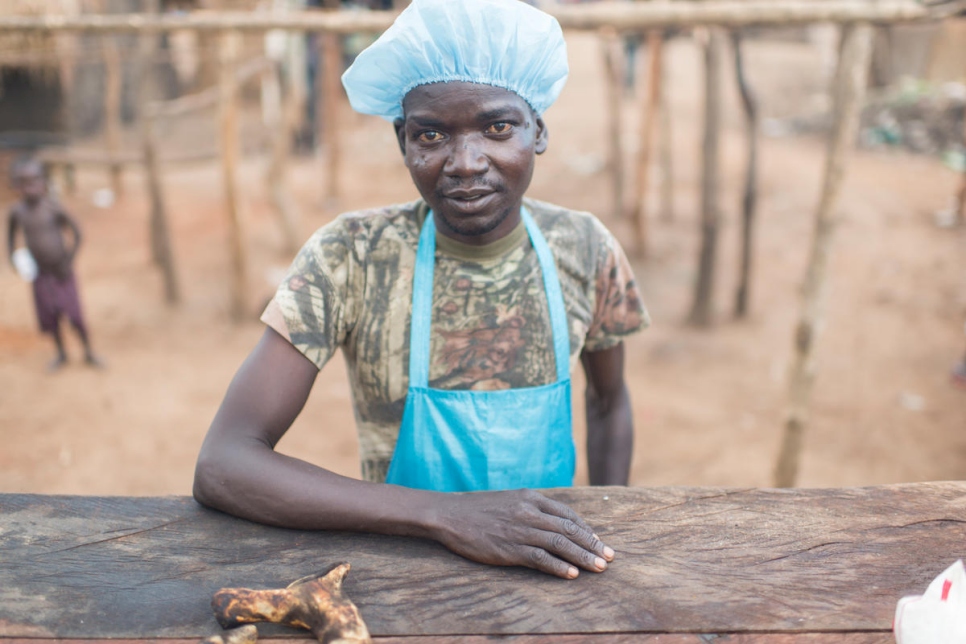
[694,565]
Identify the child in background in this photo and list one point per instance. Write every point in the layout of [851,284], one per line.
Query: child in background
[43,221]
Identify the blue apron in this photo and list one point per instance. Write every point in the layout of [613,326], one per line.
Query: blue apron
[462,441]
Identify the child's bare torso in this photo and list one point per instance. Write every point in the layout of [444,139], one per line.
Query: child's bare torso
[42,225]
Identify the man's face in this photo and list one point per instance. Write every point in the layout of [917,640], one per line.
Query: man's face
[31,183]
[470,151]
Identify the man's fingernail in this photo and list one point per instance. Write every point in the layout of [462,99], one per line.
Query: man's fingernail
[600,563]
[596,537]
[572,572]
[608,552]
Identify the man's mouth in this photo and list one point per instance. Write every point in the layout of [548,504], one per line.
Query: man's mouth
[471,201]
[468,196]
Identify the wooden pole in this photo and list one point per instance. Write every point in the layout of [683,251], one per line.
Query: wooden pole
[612,80]
[750,197]
[849,89]
[160,236]
[649,119]
[702,309]
[331,68]
[960,206]
[66,58]
[586,16]
[147,46]
[158,229]
[228,52]
[296,81]
[280,125]
[665,145]
[112,107]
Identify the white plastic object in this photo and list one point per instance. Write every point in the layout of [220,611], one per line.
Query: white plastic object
[25,264]
[939,615]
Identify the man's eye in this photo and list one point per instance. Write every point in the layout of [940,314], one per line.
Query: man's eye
[429,136]
[499,128]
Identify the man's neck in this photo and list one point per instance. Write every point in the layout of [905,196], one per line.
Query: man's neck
[477,253]
[32,203]
[510,222]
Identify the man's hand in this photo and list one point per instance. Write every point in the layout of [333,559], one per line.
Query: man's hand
[520,528]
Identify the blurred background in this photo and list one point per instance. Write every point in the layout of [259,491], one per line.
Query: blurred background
[196,164]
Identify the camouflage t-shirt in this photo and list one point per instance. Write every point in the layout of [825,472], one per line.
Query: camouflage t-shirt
[351,287]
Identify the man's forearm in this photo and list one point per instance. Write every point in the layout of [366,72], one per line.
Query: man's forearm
[610,438]
[11,240]
[252,481]
[517,527]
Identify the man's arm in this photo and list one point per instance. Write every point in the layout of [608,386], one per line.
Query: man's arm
[11,235]
[64,219]
[239,472]
[610,421]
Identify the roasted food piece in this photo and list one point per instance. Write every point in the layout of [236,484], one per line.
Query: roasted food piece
[315,603]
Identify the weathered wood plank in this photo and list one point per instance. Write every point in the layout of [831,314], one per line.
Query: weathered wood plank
[690,560]
[584,638]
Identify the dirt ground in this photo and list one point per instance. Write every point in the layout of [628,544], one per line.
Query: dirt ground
[708,404]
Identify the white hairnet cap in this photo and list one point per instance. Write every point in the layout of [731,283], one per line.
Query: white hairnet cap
[504,43]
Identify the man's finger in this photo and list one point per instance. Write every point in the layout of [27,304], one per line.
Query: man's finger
[583,537]
[557,544]
[587,539]
[562,510]
[540,559]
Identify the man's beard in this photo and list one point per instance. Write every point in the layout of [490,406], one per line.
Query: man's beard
[470,226]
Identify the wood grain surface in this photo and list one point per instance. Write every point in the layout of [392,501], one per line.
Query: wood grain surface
[760,562]
[584,638]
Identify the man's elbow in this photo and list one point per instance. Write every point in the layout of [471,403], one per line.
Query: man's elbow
[603,404]
[209,481]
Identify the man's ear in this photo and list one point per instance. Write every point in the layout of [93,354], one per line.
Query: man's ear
[400,125]
[542,136]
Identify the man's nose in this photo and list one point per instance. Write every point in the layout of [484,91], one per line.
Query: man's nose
[467,158]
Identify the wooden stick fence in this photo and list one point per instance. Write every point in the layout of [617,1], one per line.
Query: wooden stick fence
[701,309]
[615,17]
[112,106]
[613,78]
[850,82]
[649,120]
[593,16]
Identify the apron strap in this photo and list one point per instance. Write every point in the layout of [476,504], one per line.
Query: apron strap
[422,305]
[555,301]
[422,313]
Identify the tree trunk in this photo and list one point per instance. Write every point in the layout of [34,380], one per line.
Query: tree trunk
[849,89]
[702,309]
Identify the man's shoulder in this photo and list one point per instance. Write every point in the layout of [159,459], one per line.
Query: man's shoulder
[564,225]
[370,220]
[363,229]
[16,209]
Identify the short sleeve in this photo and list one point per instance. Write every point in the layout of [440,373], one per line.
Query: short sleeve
[619,309]
[312,305]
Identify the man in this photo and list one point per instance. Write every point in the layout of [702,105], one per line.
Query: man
[50,260]
[460,317]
